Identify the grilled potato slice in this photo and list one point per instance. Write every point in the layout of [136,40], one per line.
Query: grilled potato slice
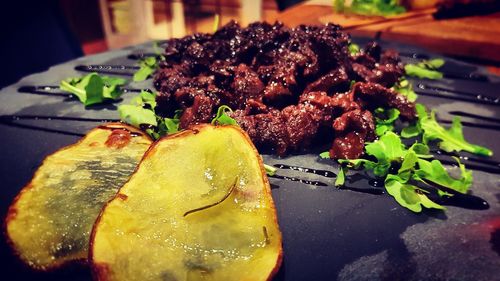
[198,207]
[50,220]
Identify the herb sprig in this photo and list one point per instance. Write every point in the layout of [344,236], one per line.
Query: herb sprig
[369,7]
[141,114]
[417,176]
[148,66]
[93,88]
[410,174]
[425,69]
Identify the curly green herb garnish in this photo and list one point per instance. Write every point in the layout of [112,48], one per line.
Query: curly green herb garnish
[353,48]
[384,120]
[425,69]
[141,113]
[389,151]
[147,66]
[405,88]
[270,170]
[369,7]
[449,140]
[221,118]
[93,88]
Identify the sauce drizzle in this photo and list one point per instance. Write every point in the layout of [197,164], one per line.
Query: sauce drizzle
[310,182]
[323,173]
[457,95]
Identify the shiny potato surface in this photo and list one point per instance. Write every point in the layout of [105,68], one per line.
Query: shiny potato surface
[50,221]
[198,207]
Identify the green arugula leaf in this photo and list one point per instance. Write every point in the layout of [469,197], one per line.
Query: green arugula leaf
[358,163]
[369,7]
[409,196]
[405,88]
[384,120]
[136,115]
[111,89]
[435,172]
[144,98]
[353,49]
[148,66]
[93,88]
[449,140]
[141,111]
[414,167]
[434,63]
[70,87]
[421,150]
[222,118]
[340,180]
[270,170]
[386,150]
[425,69]
[407,166]
[170,125]
[442,193]
[325,155]
[422,72]
[416,128]
[410,131]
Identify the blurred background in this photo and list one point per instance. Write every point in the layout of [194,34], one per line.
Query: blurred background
[108,24]
[39,33]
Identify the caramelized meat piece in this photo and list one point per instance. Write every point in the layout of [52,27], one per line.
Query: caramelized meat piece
[361,72]
[300,125]
[344,102]
[293,128]
[357,120]
[266,130]
[390,57]
[365,60]
[334,81]
[277,94]
[386,75]
[351,131]
[246,84]
[373,49]
[371,65]
[320,106]
[255,107]
[376,95]
[348,146]
[200,112]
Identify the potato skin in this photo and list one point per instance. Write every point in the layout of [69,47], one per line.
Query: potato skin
[74,264]
[100,270]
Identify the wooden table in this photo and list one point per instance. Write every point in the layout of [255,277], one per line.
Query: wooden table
[476,37]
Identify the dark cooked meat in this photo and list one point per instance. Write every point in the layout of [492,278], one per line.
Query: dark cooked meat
[289,88]
[352,129]
[375,95]
[333,82]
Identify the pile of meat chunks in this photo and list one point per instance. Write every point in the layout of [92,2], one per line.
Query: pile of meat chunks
[289,88]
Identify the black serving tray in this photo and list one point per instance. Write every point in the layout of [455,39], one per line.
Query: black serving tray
[355,233]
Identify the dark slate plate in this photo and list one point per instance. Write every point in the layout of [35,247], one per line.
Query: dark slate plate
[357,233]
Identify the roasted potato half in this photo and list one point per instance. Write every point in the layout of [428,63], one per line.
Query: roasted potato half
[198,207]
[50,220]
